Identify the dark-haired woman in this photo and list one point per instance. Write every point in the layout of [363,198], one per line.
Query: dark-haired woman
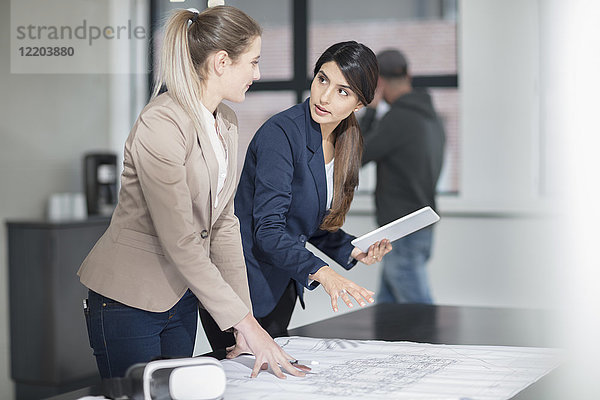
[297,183]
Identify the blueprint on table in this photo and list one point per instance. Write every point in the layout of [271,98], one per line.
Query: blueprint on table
[369,369]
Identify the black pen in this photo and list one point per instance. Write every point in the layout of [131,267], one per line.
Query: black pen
[304,362]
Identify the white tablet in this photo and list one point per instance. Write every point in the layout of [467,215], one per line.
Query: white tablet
[396,229]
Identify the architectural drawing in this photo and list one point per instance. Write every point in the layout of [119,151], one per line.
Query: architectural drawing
[394,370]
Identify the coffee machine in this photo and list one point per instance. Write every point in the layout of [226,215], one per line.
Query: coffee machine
[100,176]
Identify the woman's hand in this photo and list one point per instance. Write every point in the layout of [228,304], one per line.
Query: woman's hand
[251,338]
[375,253]
[337,287]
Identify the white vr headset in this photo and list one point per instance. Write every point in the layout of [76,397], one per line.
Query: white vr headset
[197,378]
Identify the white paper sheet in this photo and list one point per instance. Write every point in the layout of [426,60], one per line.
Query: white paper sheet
[350,369]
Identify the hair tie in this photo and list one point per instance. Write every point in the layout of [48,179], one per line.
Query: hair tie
[194,17]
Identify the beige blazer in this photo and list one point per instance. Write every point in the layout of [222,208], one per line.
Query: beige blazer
[165,235]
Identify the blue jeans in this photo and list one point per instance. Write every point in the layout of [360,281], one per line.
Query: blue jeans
[122,336]
[404,275]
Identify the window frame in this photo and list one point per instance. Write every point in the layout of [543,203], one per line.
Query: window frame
[300,83]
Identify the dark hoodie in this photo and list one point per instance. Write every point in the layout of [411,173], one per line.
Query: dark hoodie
[408,146]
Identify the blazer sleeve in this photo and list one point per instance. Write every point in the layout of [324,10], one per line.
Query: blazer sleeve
[227,254]
[337,245]
[272,198]
[159,152]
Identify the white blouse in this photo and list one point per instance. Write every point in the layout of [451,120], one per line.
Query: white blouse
[219,147]
[329,176]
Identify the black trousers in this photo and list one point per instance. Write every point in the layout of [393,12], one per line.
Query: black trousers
[275,323]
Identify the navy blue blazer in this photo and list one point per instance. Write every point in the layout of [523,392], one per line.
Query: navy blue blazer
[280,202]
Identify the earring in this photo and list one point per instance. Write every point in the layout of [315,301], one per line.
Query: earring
[356,109]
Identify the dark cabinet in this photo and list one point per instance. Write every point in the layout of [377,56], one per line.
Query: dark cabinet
[50,351]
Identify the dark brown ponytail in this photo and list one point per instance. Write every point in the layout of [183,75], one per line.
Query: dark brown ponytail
[348,155]
[359,66]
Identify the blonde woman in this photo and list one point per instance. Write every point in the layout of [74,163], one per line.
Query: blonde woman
[174,241]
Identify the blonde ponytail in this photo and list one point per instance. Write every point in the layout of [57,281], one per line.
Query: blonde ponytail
[189,39]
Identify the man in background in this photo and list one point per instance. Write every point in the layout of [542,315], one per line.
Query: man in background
[407,144]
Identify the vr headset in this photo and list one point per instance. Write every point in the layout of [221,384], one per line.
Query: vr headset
[197,378]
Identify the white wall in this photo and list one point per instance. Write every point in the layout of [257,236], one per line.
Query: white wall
[571,92]
[47,123]
[499,84]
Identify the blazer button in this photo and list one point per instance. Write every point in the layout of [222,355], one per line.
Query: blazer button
[302,239]
[204,234]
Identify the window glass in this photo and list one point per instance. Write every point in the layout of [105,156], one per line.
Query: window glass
[276,61]
[254,111]
[424,30]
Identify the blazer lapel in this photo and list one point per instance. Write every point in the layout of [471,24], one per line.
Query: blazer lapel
[316,160]
[228,131]
[211,164]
